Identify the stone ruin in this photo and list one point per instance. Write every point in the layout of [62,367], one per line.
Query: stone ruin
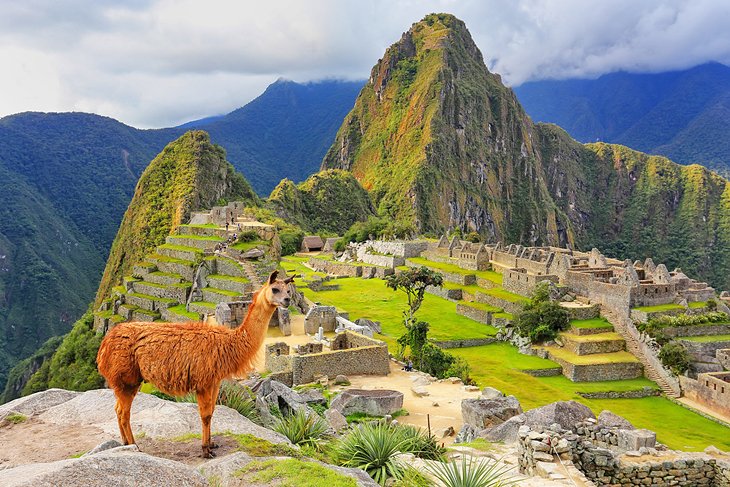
[349,353]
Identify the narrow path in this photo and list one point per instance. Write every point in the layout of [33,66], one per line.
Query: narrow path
[633,347]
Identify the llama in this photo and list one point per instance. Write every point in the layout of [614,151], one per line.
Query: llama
[186,357]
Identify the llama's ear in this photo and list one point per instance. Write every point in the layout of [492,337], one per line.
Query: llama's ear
[272,277]
[289,279]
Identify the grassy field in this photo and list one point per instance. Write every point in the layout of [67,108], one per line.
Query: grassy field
[500,365]
[659,307]
[495,277]
[707,338]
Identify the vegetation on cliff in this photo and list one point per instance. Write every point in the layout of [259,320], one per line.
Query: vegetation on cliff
[189,174]
[327,202]
[437,140]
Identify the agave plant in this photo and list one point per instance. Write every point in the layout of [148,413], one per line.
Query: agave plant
[420,443]
[374,447]
[472,472]
[234,396]
[302,428]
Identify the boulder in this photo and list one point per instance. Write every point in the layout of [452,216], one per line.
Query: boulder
[313,396]
[466,434]
[118,466]
[563,413]
[342,380]
[335,419]
[419,391]
[37,403]
[378,402]
[373,325]
[491,393]
[485,413]
[156,417]
[636,439]
[275,394]
[252,254]
[607,419]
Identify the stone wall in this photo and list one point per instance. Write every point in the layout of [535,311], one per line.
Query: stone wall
[508,306]
[599,372]
[615,297]
[405,249]
[597,453]
[590,347]
[704,351]
[324,316]
[335,268]
[723,356]
[455,294]
[467,342]
[455,277]
[389,261]
[582,312]
[643,316]
[363,360]
[696,330]
[653,294]
[523,283]
[711,390]
[476,314]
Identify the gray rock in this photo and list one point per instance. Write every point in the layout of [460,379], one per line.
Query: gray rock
[373,325]
[252,254]
[224,469]
[342,380]
[107,445]
[466,434]
[38,402]
[313,396]
[377,402]
[607,419]
[491,393]
[419,391]
[485,413]
[274,393]
[335,419]
[564,413]
[156,417]
[112,467]
[636,439]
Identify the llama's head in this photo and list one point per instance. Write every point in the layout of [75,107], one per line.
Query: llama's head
[276,291]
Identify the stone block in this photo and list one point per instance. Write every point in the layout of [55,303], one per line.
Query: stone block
[485,413]
[636,439]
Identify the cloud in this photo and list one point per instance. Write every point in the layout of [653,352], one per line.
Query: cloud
[161,62]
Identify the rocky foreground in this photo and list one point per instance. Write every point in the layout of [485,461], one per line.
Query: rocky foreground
[59,437]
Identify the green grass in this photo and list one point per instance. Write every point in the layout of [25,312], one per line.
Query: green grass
[597,337]
[206,238]
[245,246]
[180,247]
[502,354]
[16,418]
[223,292]
[153,298]
[594,358]
[591,323]
[493,276]
[171,260]
[292,472]
[200,225]
[206,304]
[481,306]
[181,311]
[697,304]
[370,298]
[659,307]
[707,338]
[498,292]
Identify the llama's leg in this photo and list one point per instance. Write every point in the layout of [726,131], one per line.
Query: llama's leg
[206,405]
[123,408]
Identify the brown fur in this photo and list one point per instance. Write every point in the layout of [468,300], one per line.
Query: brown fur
[185,357]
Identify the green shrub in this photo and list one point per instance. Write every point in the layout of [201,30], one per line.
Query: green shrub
[471,472]
[421,443]
[675,357]
[248,236]
[654,326]
[541,319]
[473,237]
[302,428]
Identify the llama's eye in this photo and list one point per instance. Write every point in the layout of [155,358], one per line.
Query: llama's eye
[275,291]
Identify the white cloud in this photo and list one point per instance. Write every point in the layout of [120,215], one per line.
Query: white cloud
[160,62]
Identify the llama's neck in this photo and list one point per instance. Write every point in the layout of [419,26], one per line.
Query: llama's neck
[253,329]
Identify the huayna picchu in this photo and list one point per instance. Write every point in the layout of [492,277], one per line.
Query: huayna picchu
[438,140]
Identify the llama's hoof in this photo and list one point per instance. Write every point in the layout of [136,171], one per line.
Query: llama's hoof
[214,445]
[207,453]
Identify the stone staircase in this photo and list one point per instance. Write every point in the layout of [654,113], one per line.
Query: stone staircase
[595,353]
[633,347]
[160,288]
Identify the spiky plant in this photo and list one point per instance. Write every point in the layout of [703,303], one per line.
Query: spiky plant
[373,447]
[240,398]
[302,428]
[420,443]
[471,472]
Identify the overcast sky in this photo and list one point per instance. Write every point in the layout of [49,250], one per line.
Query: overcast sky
[159,63]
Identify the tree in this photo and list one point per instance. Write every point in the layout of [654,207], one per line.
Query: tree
[541,319]
[414,282]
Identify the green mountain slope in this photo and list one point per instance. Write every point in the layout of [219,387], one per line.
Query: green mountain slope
[437,139]
[189,174]
[683,115]
[329,201]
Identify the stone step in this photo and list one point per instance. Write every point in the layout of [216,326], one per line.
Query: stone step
[201,230]
[596,367]
[143,269]
[509,302]
[164,278]
[202,307]
[125,310]
[175,292]
[593,330]
[215,295]
[201,243]
[592,344]
[171,265]
[250,273]
[181,252]
[145,315]
[230,283]
[178,314]
[229,267]
[151,303]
